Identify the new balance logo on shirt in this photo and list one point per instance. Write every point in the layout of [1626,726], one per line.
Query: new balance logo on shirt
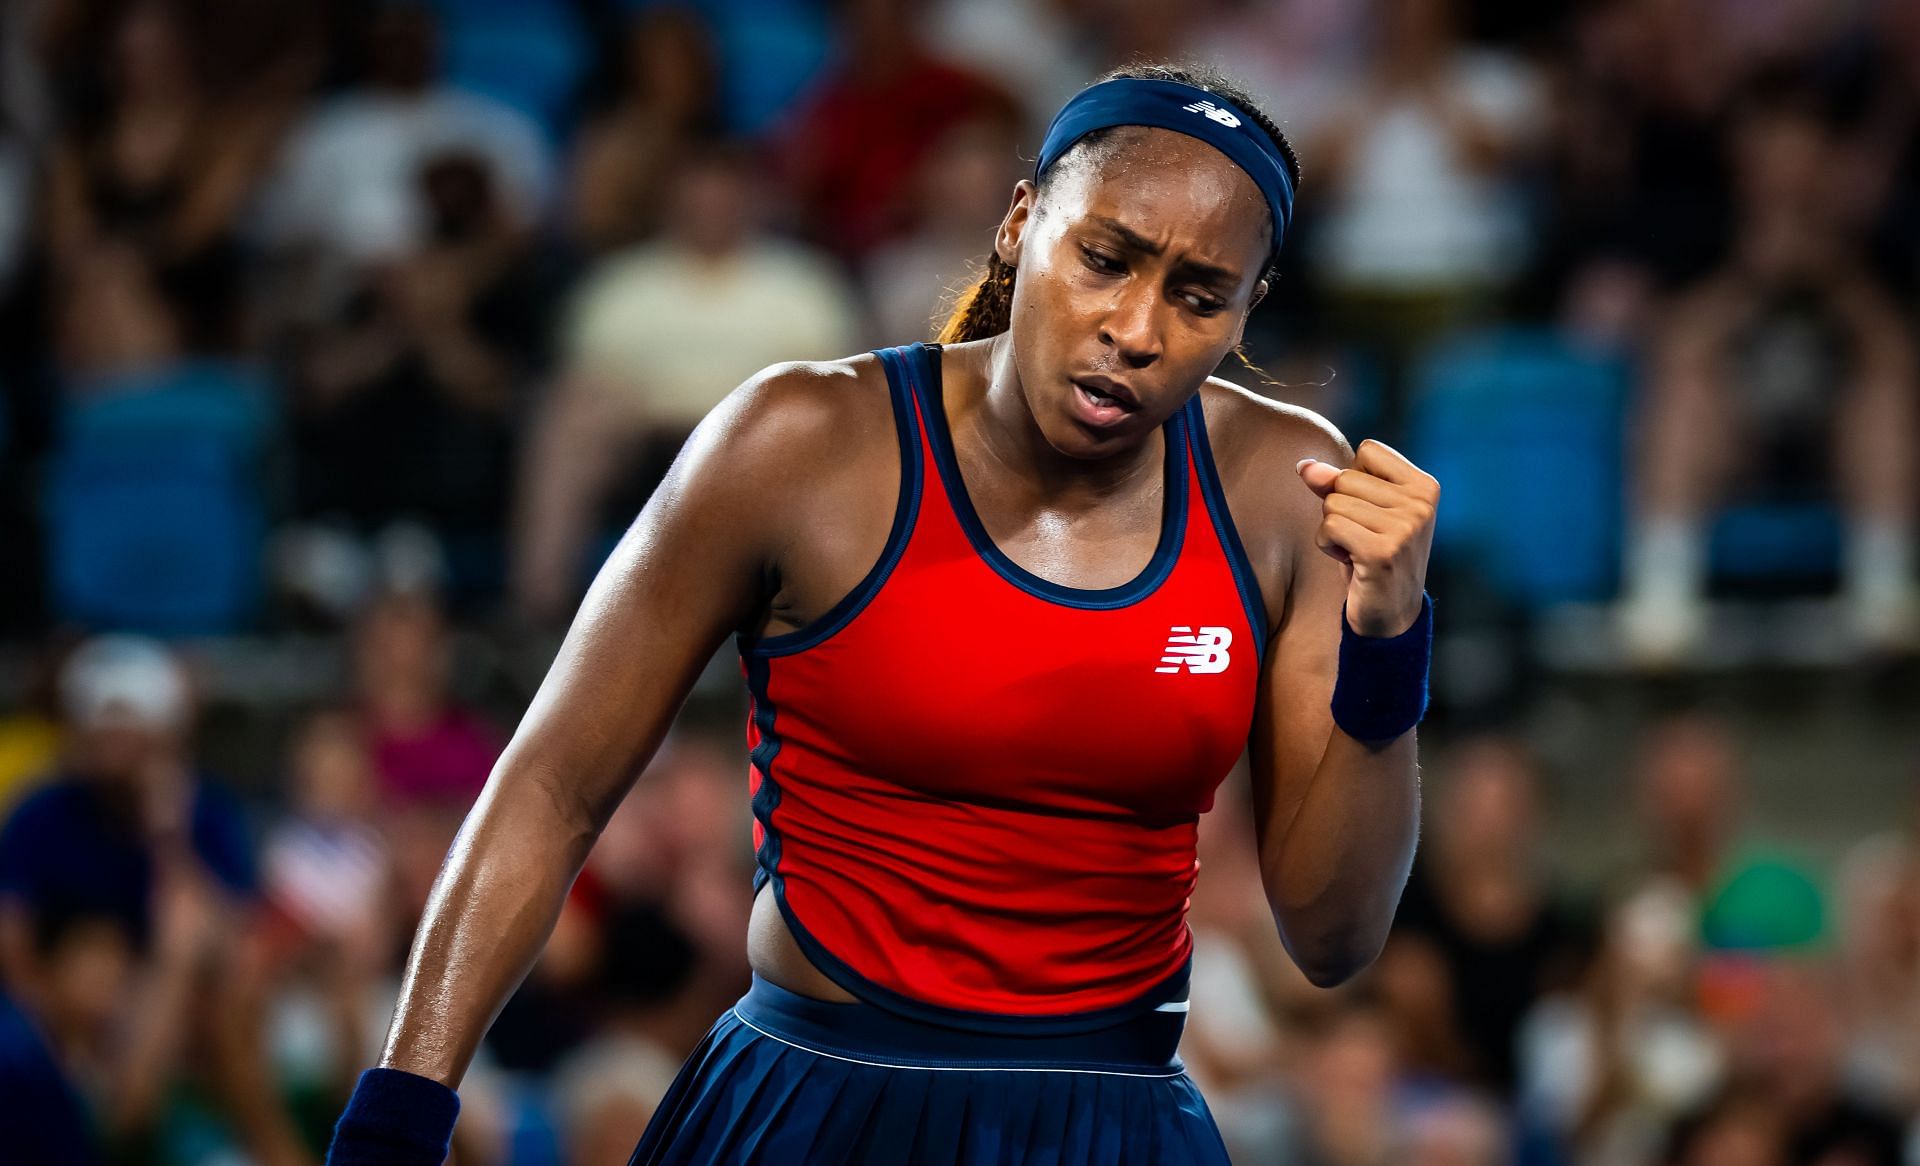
[1198,652]
[1224,117]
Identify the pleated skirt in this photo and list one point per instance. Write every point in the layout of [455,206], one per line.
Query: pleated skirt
[783,1078]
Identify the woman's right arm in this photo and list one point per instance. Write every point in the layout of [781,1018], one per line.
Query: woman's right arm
[697,565]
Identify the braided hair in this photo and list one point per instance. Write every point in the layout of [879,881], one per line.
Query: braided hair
[986,308]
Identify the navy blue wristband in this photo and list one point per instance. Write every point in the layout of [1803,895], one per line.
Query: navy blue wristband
[395,1118]
[1381,691]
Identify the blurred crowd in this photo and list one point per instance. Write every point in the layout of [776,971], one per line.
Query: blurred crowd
[375,321]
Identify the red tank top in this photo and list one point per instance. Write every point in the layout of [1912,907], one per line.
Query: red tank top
[976,791]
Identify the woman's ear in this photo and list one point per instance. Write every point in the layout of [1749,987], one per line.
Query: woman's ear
[1240,326]
[1013,228]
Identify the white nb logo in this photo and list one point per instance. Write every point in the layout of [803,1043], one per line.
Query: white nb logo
[1198,652]
[1224,117]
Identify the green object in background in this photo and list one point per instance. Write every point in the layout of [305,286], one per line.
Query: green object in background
[1768,904]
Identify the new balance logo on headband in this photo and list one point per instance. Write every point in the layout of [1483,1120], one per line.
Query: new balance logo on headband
[1213,111]
[1198,652]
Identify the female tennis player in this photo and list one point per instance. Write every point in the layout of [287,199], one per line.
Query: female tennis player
[1009,608]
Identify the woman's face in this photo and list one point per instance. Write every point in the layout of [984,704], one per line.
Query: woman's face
[1136,270]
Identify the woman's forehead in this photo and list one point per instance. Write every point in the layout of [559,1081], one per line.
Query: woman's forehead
[1166,186]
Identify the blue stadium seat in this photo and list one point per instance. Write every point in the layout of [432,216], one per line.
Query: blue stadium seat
[530,54]
[1525,432]
[1776,543]
[153,508]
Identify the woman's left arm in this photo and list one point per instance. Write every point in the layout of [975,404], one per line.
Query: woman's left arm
[1337,818]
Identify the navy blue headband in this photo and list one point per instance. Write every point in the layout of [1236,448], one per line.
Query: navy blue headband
[1197,113]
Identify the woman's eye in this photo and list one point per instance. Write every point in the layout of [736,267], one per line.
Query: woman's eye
[1205,305]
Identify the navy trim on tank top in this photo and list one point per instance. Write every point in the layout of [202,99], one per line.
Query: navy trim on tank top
[905,511]
[1173,516]
[1215,500]
[766,798]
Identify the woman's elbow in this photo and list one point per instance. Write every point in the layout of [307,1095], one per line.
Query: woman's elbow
[1333,971]
[1332,957]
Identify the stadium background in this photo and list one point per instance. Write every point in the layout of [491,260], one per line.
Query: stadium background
[342,337]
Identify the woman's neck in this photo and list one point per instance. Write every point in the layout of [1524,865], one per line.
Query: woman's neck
[992,405]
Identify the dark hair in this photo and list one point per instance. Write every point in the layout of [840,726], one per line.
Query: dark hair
[985,309]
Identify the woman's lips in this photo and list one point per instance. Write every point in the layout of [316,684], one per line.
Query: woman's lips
[1098,405]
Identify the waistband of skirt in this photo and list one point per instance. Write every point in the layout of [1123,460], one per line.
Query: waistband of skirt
[1145,1044]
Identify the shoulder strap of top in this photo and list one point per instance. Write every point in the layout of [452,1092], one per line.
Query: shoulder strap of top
[1215,496]
[906,510]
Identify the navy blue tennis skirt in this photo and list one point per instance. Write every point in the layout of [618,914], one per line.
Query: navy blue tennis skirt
[783,1078]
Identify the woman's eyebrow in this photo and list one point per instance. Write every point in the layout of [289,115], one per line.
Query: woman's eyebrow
[1135,241]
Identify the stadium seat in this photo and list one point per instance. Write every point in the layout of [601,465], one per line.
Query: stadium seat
[1525,432]
[530,54]
[153,508]
[1767,546]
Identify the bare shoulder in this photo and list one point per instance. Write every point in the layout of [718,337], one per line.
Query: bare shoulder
[799,456]
[1257,442]
[791,409]
[1253,432]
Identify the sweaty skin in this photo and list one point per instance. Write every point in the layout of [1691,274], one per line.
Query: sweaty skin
[1140,269]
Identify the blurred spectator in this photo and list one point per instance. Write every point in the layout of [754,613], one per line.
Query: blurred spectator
[164,167]
[1687,801]
[1735,1130]
[1787,376]
[114,319]
[653,340]
[1455,1128]
[1347,1088]
[853,148]
[1608,1067]
[608,1096]
[1480,904]
[57,1029]
[1127,31]
[324,863]
[1419,222]
[328,881]
[610,1086]
[431,755]
[1640,166]
[1298,57]
[1037,50]
[1878,888]
[627,154]
[349,176]
[962,191]
[130,832]
[428,749]
[406,395]
[1790,1052]
[127,794]
[1748,900]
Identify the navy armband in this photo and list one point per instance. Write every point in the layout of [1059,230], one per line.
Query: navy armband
[1381,691]
[395,1118]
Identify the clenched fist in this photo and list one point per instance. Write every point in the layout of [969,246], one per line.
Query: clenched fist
[1376,517]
